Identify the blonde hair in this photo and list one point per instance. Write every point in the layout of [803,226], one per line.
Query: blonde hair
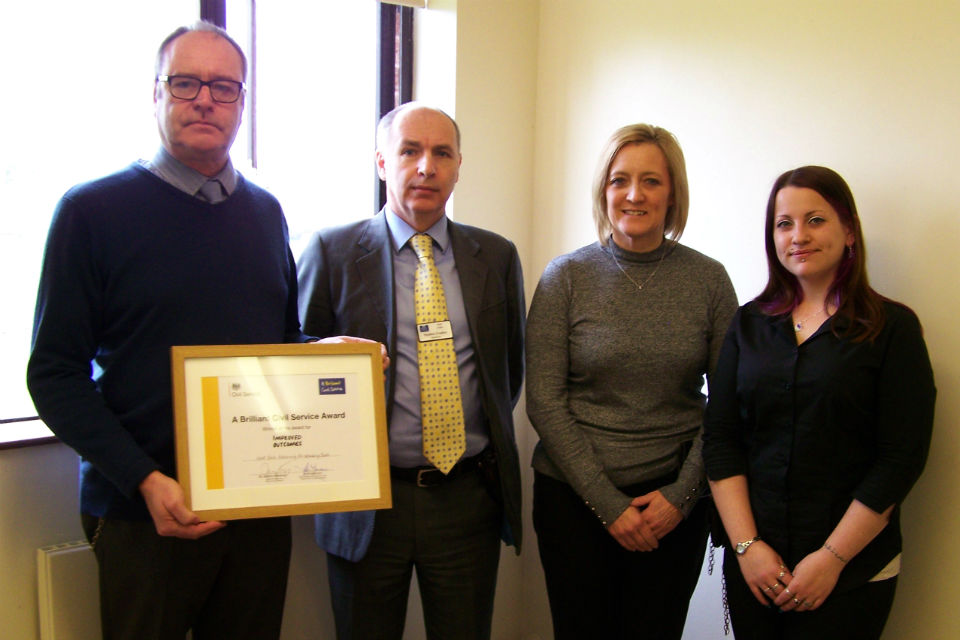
[676,218]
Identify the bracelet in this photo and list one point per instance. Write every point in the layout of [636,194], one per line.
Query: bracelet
[834,552]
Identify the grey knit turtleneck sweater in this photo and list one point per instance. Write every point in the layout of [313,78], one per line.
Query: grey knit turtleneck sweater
[614,375]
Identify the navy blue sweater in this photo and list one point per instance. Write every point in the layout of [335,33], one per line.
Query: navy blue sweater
[133,266]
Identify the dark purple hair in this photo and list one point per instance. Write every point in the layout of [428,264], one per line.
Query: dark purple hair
[855,300]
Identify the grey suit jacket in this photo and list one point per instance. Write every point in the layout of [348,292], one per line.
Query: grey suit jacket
[346,288]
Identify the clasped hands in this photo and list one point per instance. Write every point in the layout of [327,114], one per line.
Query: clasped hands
[803,589]
[648,519]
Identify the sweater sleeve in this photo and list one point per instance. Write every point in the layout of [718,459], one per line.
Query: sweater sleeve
[65,340]
[691,482]
[548,359]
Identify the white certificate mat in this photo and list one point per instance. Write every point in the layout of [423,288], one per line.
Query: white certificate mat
[271,430]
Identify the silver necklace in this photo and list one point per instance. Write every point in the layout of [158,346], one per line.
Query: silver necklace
[639,285]
[798,326]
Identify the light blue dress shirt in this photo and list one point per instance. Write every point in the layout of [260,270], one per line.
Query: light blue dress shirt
[188,180]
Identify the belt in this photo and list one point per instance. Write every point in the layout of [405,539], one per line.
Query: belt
[431,476]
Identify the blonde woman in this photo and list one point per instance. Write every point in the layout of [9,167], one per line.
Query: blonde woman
[619,337]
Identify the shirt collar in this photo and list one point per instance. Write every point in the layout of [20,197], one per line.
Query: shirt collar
[188,180]
[401,232]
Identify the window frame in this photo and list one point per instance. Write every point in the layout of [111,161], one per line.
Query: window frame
[395,72]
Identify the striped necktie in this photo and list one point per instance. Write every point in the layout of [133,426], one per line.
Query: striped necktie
[444,440]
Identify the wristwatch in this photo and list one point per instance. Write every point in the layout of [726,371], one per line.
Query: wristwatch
[742,547]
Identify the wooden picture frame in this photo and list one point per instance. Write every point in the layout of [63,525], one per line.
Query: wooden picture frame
[283,429]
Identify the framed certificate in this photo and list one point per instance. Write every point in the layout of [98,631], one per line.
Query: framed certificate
[280,429]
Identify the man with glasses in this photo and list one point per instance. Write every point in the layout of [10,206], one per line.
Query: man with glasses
[177,250]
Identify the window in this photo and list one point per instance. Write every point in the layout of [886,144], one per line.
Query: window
[57,131]
[312,106]
[313,102]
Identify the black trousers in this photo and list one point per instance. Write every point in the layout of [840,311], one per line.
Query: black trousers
[598,589]
[857,614]
[451,534]
[229,584]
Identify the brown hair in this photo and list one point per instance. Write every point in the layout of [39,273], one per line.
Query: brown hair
[855,300]
[199,25]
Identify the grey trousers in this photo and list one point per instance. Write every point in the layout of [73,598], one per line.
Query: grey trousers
[451,534]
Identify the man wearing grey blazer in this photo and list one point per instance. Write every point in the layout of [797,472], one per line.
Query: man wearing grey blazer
[358,280]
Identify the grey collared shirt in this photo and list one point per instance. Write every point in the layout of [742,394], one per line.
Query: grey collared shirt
[406,444]
[188,180]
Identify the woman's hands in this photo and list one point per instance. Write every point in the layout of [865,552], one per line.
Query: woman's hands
[813,580]
[816,575]
[764,571]
[803,589]
[648,519]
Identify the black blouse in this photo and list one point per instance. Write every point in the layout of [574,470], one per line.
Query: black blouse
[816,425]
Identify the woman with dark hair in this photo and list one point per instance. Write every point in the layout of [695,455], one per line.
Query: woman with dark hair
[818,425]
[619,337]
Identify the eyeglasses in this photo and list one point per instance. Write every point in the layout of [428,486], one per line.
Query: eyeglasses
[188,88]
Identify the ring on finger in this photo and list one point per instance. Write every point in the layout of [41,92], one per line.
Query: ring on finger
[797,602]
[781,574]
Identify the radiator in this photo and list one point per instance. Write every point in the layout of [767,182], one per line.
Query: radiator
[68,593]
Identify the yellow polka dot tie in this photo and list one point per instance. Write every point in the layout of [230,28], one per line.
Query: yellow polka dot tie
[441,409]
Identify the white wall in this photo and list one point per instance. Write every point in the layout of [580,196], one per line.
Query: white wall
[38,507]
[496,95]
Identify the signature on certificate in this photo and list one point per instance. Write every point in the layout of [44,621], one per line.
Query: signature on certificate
[311,471]
[269,473]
